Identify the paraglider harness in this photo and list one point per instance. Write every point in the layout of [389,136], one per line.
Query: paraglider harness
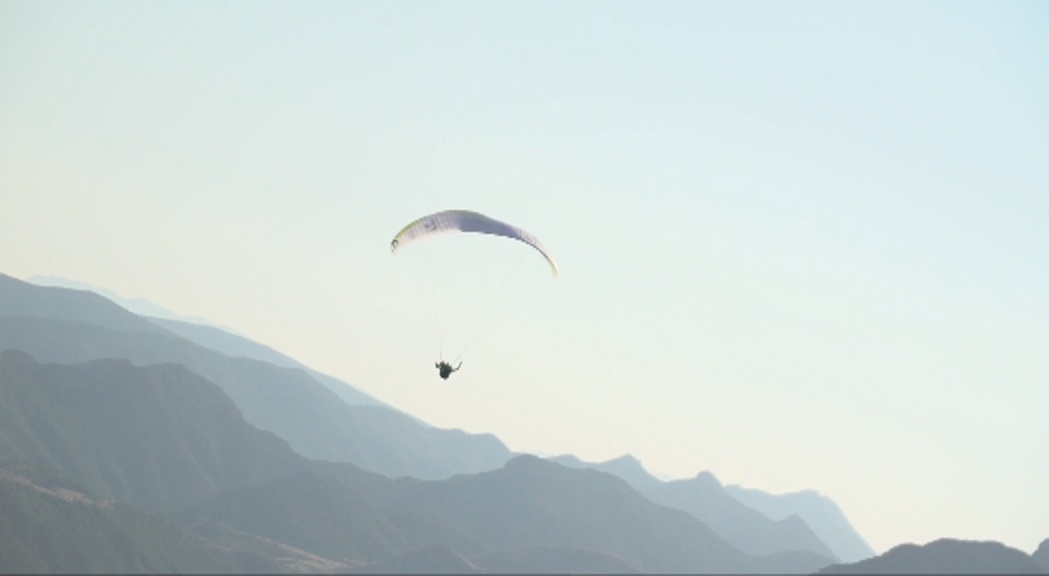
[445,369]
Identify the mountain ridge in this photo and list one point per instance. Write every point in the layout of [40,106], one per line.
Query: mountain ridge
[821,513]
[164,440]
[944,556]
[256,386]
[704,498]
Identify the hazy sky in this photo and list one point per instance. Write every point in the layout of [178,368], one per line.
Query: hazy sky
[802,244]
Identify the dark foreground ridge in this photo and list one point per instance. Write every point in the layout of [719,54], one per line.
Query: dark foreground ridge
[944,556]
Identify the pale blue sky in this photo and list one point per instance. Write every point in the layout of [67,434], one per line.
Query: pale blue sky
[802,244]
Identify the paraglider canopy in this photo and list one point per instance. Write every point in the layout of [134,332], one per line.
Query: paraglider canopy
[452,221]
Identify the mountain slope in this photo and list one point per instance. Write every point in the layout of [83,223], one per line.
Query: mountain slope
[528,514]
[330,518]
[139,306]
[434,559]
[202,332]
[944,556]
[1041,555]
[746,528]
[18,298]
[159,437]
[704,498]
[531,502]
[821,514]
[165,439]
[236,346]
[48,527]
[556,560]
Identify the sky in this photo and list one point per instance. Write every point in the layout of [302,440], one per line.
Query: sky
[802,245]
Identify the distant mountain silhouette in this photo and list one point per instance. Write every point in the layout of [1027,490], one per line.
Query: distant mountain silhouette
[208,335]
[704,498]
[159,437]
[237,346]
[532,502]
[286,401]
[476,516]
[138,306]
[18,298]
[821,514]
[165,440]
[945,556]
[528,516]
[47,526]
[626,467]
[1041,555]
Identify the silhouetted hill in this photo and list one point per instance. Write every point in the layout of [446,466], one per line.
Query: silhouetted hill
[626,467]
[1041,555]
[531,502]
[744,527]
[821,514]
[704,498]
[48,527]
[945,556]
[286,401]
[159,437]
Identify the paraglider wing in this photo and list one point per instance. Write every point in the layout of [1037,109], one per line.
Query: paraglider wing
[452,221]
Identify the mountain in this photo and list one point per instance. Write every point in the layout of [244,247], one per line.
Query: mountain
[1041,555]
[532,502]
[202,332]
[527,515]
[49,526]
[159,437]
[59,325]
[166,441]
[822,515]
[18,298]
[435,559]
[704,498]
[139,306]
[236,346]
[626,467]
[329,518]
[945,556]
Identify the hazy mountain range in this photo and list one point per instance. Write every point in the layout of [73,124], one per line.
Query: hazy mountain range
[705,498]
[141,444]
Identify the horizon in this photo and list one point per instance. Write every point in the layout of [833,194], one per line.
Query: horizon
[800,245]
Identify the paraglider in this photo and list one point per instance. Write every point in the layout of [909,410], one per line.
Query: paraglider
[445,369]
[464,221]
